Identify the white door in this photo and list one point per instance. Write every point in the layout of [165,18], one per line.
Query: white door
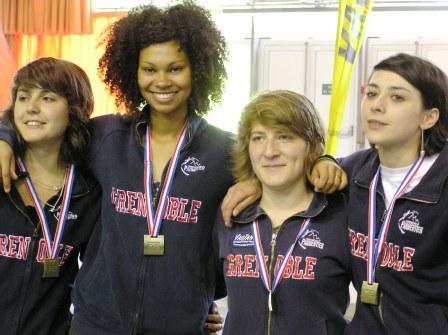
[307,67]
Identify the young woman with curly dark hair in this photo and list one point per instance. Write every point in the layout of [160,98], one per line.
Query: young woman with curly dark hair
[163,171]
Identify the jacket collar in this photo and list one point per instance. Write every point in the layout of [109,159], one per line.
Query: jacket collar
[428,190]
[195,124]
[254,211]
[82,185]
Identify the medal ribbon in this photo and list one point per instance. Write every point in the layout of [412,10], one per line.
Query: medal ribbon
[278,276]
[155,221]
[52,245]
[375,250]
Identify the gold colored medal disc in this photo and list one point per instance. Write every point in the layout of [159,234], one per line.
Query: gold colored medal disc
[153,246]
[370,293]
[51,268]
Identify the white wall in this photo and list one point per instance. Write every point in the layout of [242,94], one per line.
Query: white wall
[309,26]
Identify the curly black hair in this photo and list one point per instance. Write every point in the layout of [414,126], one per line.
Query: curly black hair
[187,23]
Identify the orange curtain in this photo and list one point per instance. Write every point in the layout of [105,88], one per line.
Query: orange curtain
[47,17]
[79,49]
[7,71]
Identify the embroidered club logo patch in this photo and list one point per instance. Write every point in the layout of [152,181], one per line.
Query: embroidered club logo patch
[190,165]
[311,239]
[243,240]
[409,222]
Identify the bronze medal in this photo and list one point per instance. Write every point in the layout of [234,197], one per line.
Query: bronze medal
[51,268]
[153,246]
[369,293]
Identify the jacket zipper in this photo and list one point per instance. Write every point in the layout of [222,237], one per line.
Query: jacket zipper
[271,262]
[30,259]
[137,314]
[380,313]
[27,275]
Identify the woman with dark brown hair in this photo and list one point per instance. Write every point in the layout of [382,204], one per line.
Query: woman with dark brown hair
[47,218]
[397,224]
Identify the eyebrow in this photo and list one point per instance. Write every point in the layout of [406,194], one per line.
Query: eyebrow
[176,62]
[390,88]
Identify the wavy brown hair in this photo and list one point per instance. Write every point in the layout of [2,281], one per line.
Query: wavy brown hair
[281,109]
[70,81]
[187,23]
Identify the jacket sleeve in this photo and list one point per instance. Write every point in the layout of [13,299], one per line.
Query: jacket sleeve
[9,135]
[220,290]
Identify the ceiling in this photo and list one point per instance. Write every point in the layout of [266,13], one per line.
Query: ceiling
[259,4]
[282,5]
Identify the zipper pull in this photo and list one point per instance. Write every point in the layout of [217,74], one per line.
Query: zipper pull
[383,216]
[270,301]
[273,239]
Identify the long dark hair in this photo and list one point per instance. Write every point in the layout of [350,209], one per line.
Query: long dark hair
[70,81]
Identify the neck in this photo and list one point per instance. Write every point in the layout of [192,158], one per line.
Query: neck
[401,153]
[280,204]
[44,164]
[397,157]
[163,125]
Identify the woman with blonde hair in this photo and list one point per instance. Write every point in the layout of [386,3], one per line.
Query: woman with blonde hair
[286,259]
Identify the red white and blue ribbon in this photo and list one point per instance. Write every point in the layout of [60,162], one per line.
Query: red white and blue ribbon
[155,221]
[374,251]
[264,272]
[52,244]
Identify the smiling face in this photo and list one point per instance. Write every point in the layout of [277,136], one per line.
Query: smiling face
[165,78]
[40,116]
[278,157]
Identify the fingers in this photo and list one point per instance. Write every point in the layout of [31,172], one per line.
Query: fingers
[227,206]
[344,181]
[214,321]
[214,318]
[213,327]
[331,173]
[320,181]
[244,203]
[7,166]
[328,177]
[238,197]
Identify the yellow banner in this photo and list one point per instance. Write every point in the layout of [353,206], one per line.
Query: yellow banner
[349,38]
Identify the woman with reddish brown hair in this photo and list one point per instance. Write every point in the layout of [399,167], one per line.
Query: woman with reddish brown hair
[51,210]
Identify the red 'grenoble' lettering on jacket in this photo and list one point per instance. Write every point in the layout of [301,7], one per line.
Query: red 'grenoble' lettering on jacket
[121,291]
[413,270]
[313,293]
[177,209]
[30,305]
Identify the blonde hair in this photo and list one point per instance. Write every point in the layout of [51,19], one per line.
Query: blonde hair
[278,109]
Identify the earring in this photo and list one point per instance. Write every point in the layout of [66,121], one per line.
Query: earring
[142,105]
[422,143]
